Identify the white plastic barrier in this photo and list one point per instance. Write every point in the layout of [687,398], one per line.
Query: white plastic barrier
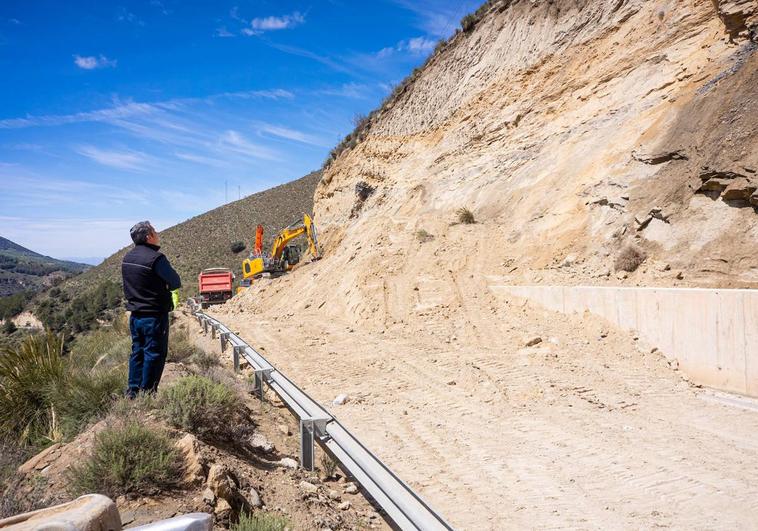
[712,333]
[187,522]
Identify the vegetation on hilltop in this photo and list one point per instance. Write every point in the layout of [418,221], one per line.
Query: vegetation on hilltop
[24,270]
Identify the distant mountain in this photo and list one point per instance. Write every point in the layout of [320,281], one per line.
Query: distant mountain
[22,269]
[89,260]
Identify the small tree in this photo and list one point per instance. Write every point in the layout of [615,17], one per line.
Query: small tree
[9,327]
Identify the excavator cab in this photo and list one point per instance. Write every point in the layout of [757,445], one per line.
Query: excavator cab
[290,257]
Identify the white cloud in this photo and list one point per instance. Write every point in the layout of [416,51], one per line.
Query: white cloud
[121,111]
[415,46]
[223,32]
[123,160]
[199,159]
[420,45]
[91,62]
[348,90]
[292,134]
[264,24]
[127,16]
[233,141]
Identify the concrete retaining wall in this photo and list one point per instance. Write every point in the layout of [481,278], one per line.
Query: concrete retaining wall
[713,333]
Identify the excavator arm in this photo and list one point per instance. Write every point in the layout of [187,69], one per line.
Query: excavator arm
[307,227]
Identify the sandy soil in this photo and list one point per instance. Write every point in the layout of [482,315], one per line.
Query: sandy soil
[547,121]
[587,429]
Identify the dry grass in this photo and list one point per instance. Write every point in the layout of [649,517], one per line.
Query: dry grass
[261,521]
[328,465]
[630,258]
[465,216]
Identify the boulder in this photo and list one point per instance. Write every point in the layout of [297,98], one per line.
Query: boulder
[288,462]
[739,190]
[194,474]
[341,400]
[223,511]
[259,442]
[221,483]
[254,499]
[308,488]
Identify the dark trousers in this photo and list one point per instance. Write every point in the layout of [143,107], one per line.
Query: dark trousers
[149,350]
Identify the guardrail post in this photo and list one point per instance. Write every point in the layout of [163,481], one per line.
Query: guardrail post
[261,376]
[310,429]
[214,327]
[224,341]
[306,444]
[205,325]
[236,354]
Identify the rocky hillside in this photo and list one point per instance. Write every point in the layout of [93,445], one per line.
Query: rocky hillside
[206,240]
[573,130]
[25,270]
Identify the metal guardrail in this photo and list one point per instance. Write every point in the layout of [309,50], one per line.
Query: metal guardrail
[401,504]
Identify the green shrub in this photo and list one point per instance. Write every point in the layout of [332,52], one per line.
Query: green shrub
[260,521]
[84,397]
[204,360]
[238,247]
[81,313]
[180,346]
[128,458]
[45,396]
[468,23]
[201,406]
[12,305]
[422,236]
[465,216]
[9,327]
[27,373]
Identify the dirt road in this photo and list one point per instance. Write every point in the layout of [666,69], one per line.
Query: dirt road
[586,429]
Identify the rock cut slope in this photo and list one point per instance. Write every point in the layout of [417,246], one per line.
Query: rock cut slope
[571,129]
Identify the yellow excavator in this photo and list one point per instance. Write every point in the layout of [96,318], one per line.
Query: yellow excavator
[283,257]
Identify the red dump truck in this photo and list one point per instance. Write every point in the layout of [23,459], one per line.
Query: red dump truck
[215,286]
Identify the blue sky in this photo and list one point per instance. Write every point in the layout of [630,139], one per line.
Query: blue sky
[114,112]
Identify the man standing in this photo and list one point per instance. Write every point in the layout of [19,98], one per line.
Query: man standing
[151,288]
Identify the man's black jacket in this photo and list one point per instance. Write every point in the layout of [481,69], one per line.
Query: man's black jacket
[149,280]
